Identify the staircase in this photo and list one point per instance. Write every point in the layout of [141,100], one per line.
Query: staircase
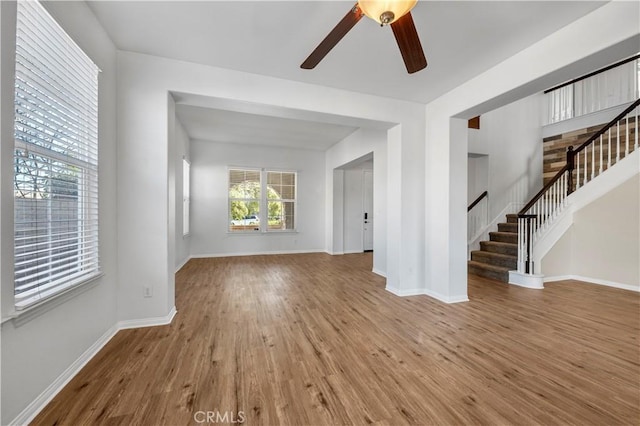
[499,255]
[514,247]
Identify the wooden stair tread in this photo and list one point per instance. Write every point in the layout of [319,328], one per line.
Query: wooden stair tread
[499,243]
[510,227]
[488,267]
[497,273]
[502,233]
[494,254]
[512,218]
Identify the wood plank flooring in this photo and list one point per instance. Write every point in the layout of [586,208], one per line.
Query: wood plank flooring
[314,339]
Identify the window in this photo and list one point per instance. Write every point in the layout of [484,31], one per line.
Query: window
[186,195]
[252,191]
[281,194]
[55,160]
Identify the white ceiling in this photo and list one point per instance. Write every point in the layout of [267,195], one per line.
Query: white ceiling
[461,39]
[225,126]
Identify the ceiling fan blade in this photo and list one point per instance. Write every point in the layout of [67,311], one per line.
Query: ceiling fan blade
[329,42]
[407,37]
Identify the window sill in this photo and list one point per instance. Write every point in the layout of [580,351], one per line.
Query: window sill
[25,314]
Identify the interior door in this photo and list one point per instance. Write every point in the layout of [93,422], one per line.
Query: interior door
[368,210]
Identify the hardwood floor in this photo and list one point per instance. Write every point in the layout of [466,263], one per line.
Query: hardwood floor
[314,339]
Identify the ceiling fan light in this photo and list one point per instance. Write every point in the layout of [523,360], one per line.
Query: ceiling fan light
[378,10]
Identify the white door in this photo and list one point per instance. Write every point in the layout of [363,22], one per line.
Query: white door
[368,210]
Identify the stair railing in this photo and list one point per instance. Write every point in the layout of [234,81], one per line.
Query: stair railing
[477,218]
[581,167]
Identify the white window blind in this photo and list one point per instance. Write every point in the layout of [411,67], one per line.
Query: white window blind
[55,160]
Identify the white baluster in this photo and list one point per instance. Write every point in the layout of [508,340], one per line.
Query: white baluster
[577,157]
[550,202]
[636,129]
[545,197]
[554,198]
[530,251]
[520,245]
[557,200]
[609,149]
[585,167]
[600,170]
[547,202]
[626,139]
[618,142]
[593,161]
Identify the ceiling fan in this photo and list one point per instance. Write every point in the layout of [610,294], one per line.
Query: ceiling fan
[396,13]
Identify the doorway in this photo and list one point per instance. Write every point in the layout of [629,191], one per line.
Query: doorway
[367,207]
[356,199]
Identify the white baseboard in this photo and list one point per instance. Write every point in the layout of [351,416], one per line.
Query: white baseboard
[535,281]
[32,410]
[379,272]
[148,322]
[406,292]
[447,299]
[257,253]
[183,263]
[41,401]
[353,251]
[593,281]
[425,292]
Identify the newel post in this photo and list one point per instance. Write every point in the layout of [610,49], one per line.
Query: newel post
[570,167]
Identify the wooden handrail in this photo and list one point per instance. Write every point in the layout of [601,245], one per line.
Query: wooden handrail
[607,126]
[591,74]
[472,205]
[523,211]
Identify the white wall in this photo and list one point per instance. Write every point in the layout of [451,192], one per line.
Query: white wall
[573,50]
[182,151]
[512,135]
[603,244]
[209,168]
[39,346]
[360,143]
[477,177]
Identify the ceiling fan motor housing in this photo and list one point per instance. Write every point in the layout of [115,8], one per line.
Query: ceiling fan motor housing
[386,18]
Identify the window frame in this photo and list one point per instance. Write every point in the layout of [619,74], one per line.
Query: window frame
[51,138]
[263,226]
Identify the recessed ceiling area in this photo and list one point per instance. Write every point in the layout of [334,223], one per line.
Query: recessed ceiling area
[225,126]
[234,121]
[460,38]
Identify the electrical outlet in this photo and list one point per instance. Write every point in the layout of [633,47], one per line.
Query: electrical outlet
[147,291]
